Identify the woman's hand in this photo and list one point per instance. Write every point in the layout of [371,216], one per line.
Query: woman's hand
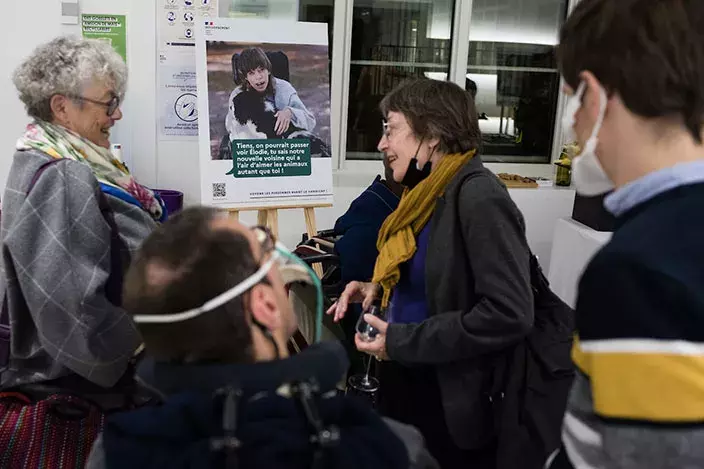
[283,121]
[355,292]
[377,347]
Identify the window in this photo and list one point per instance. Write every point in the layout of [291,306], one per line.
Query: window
[510,62]
[391,41]
[503,49]
[513,68]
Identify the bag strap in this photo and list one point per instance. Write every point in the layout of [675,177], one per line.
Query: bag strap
[228,443]
[113,287]
[323,438]
[538,281]
[501,367]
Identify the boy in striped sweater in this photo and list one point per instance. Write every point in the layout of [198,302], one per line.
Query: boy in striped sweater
[634,73]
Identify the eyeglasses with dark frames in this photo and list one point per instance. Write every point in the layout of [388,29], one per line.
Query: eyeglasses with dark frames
[111,105]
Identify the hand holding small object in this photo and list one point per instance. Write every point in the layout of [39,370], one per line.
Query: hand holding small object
[377,347]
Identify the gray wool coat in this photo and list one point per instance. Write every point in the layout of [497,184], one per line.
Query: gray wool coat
[54,267]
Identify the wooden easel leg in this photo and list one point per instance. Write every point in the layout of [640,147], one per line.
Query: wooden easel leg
[262,218]
[312,231]
[270,219]
[274,222]
[310,222]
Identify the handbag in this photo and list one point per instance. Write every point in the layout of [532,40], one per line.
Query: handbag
[55,432]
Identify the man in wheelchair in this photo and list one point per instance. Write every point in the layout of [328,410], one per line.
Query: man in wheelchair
[209,297]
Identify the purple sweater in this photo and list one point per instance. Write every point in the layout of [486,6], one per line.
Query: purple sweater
[408,302]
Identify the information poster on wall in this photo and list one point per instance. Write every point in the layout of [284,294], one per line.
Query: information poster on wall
[176,73]
[178,102]
[109,28]
[264,86]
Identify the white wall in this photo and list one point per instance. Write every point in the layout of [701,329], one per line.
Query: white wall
[32,22]
[29,23]
[16,41]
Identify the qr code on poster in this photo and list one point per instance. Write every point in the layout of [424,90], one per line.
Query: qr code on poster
[219,190]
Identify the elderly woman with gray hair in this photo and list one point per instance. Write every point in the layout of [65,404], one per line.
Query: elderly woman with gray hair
[72,213]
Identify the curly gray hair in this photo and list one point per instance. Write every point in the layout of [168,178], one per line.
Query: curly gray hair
[65,66]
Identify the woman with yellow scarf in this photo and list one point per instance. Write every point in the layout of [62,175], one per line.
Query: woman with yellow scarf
[453,274]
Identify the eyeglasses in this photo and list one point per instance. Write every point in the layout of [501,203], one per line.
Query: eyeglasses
[111,105]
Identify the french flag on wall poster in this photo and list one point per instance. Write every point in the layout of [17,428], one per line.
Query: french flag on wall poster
[209,23]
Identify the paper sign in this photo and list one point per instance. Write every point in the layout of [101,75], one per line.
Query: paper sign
[177,94]
[176,90]
[110,28]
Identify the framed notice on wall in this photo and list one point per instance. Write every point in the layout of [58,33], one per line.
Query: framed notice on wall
[265,89]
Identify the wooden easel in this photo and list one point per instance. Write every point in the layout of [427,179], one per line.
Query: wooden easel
[269,217]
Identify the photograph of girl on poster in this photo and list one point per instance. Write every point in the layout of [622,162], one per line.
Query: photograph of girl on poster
[264,104]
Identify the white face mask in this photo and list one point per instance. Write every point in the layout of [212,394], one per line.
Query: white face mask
[589,176]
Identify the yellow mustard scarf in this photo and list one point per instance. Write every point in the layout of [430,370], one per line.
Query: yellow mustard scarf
[397,237]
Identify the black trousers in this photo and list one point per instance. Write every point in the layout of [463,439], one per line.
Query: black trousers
[412,396]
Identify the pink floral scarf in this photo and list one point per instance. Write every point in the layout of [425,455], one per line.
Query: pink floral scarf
[59,142]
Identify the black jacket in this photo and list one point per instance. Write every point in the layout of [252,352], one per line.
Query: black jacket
[269,420]
[481,308]
[359,228]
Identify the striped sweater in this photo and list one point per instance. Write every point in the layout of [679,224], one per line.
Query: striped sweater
[638,401]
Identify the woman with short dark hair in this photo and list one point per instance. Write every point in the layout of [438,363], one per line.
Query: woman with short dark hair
[453,271]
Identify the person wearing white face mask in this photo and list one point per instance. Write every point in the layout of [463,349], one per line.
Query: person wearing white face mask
[589,176]
[635,75]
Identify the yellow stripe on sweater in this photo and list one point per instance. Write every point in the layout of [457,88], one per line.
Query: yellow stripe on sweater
[655,387]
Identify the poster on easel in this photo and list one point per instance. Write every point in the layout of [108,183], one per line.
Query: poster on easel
[265,88]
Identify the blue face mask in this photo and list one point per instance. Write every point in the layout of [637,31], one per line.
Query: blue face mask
[292,269]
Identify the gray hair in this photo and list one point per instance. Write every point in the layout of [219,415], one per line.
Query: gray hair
[65,66]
